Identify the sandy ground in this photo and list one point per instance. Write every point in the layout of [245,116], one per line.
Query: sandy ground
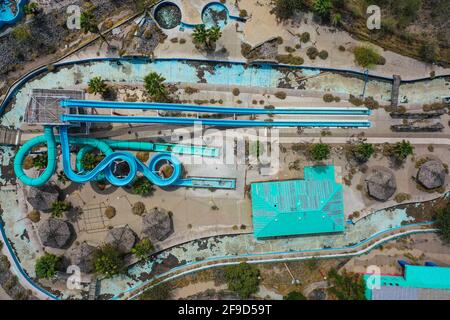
[195,288]
[415,249]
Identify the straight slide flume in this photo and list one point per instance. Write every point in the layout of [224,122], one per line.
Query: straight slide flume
[214,122]
[354,111]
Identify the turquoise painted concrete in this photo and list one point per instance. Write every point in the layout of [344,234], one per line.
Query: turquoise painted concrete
[310,206]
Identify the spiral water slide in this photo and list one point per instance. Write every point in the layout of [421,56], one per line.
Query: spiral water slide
[104,168]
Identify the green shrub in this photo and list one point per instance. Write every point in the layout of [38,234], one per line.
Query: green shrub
[59,207]
[323,54]
[312,53]
[328,97]
[319,151]
[284,9]
[363,151]
[143,248]
[402,150]
[290,59]
[348,286]
[443,223]
[243,279]
[142,186]
[429,51]
[367,57]
[108,261]
[305,37]
[294,295]
[323,7]
[46,266]
[91,160]
[138,208]
[21,33]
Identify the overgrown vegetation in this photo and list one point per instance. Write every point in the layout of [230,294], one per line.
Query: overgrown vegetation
[142,186]
[97,85]
[160,292]
[143,248]
[243,279]
[205,37]
[46,266]
[367,57]
[416,28]
[294,295]
[443,223]
[90,160]
[154,85]
[346,286]
[108,261]
[363,151]
[59,208]
[319,151]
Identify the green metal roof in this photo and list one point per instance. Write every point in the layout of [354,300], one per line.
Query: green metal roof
[425,277]
[313,205]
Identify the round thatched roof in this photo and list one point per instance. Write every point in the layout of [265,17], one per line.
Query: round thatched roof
[431,174]
[122,238]
[157,225]
[55,233]
[41,198]
[83,257]
[381,184]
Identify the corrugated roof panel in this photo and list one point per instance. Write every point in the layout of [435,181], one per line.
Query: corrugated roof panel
[298,207]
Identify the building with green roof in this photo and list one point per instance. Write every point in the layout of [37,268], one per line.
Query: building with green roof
[296,207]
[417,283]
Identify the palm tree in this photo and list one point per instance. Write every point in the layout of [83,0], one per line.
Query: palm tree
[89,23]
[154,84]
[214,34]
[323,7]
[200,34]
[206,37]
[97,85]
[403,149]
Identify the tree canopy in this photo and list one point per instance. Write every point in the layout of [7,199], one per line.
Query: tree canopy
[346,286]
[443,223]
[108,261]
[206,37]
[363,151]
[154,85]
[402,150]
[143,248]
[59,207]
[97,85]
[142,186]
[294,295]
[243,279]
[46,266]
[319,151]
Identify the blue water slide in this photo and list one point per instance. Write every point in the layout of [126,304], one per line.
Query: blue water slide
[212,109]
[402,263]
[49,139]
[135,165]
[213,122]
